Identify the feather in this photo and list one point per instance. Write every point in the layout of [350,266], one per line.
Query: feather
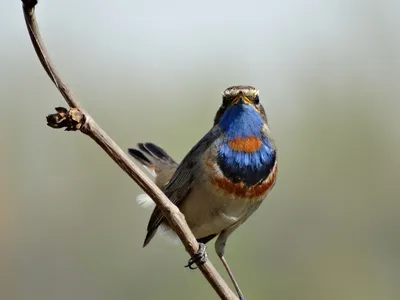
[138,155]
[168,234]
[181,182]
[145,201]
[155,151]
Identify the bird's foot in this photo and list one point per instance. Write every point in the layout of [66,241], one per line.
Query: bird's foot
[200,256]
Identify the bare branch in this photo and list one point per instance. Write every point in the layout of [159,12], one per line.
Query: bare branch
[76,118]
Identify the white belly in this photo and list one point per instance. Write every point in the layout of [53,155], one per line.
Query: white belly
[208,213]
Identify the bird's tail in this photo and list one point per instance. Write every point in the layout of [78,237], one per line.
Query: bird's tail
[162,167]
[153,158]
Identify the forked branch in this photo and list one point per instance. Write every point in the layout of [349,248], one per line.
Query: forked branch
[76,118]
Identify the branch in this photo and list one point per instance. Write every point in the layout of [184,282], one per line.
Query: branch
[76,118]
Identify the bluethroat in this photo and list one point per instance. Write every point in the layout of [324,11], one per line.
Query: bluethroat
[222,180]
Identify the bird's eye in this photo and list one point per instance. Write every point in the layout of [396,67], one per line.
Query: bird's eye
[256,100]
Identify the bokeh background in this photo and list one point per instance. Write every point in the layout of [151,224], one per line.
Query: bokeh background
[328,74]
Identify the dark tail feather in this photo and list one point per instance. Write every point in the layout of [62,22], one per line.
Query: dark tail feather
[149,236]
[155,152]
[140,157]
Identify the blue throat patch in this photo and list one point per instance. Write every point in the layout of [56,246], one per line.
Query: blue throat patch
[243,121]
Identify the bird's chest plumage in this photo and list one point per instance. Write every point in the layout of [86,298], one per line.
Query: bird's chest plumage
[247,161]
[245,175]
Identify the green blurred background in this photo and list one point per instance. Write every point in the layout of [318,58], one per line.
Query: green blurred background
[328,74]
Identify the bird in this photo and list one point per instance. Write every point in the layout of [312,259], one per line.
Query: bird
[223,179]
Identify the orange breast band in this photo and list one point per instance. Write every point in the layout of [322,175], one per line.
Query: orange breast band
[247,145]
[248,193]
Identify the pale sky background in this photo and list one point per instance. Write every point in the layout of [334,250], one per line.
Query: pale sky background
[328,74]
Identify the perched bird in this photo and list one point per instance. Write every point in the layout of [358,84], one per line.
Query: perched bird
[223,179]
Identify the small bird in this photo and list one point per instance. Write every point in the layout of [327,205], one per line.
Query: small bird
[222,180]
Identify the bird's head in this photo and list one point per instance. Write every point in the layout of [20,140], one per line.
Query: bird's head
[240,95]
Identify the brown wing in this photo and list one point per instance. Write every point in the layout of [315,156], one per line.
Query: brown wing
[182,181]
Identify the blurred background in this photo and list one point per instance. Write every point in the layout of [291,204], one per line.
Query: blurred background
[328,74]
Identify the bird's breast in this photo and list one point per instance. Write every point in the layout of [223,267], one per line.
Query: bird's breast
[243,168]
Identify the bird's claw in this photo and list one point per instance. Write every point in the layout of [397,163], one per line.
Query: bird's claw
[200,256]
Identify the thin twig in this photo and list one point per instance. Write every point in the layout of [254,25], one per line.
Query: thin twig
[76,118]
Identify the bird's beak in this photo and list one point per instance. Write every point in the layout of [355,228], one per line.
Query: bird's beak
[241,99]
